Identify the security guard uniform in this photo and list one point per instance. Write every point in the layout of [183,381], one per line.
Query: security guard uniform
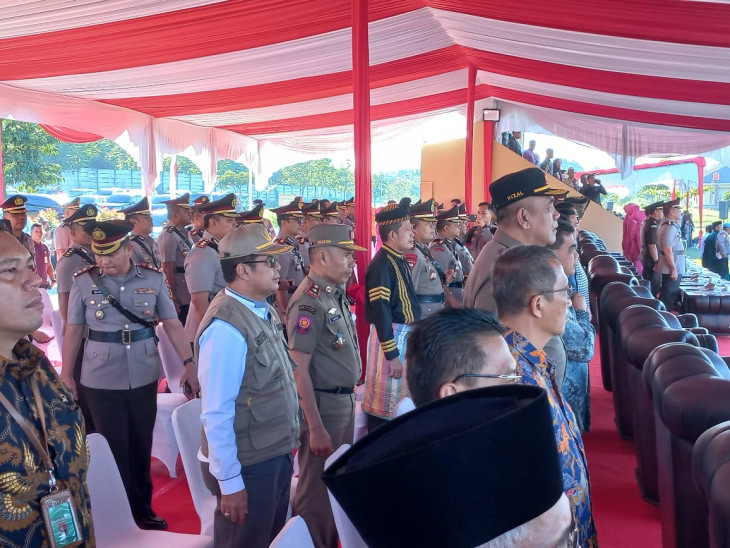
[174,245]
[144,248]
[121,364]
[428,277]
[443,251]
[320,324]
[15,205]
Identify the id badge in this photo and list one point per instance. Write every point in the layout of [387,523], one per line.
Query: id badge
[60,519]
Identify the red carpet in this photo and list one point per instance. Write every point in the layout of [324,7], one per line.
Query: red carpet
[622,517]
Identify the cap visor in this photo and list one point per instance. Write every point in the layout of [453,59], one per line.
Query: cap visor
[273,249]
[550,192]
[352,247]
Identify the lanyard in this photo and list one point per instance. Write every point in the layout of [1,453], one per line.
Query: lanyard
[23,423]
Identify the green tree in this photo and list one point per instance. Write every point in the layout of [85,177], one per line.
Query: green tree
[183,165]
[27,157]
[319,173]
[102,154]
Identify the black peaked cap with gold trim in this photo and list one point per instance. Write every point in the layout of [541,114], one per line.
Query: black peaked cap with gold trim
[183,201]
[451,214]
[107,236]
[140,208]
[331,210]
[313,209]
[15,204]
[256,215]
[225,206]
[394,213]
[292,209]
[199,201]
[83,215]
[519,185]
[73,204]
[424,210]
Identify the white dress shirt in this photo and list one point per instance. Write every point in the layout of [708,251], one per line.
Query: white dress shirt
[220,373]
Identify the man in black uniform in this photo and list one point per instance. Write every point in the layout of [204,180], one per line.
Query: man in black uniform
[649,250]
[391,306]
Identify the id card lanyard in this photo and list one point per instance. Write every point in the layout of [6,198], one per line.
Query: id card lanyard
[23,423]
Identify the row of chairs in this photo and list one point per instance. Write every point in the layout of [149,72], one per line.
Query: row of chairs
[671,394]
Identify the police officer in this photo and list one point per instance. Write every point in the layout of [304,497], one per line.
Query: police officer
[203,273]
[312,217]
[467,261]
[323,343]
[331,215]
[443,249]
[249,399]
[428,276]
[289,218]
[62,233]
[15,211]
[256,215]
[144,246]
[671,255]
[197,229]
[120,303]
[649,250]
[174,244]
[350,212]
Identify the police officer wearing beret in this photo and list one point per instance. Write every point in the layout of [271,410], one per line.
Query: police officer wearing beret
[649,251]
[174,244]
[250,409]
[144,246]
[428,276]
[120,303]
[289,218]
[203,273]
[323,343]
[443,250]
[15,211]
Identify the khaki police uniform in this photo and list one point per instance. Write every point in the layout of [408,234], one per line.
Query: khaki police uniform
[202,273]
[174,246]
[145,250]
[461,251]
[320,324]
[443,251]
[428,279]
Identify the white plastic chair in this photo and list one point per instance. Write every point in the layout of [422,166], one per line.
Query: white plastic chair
[349,537]
[47,308]
[403,407]
[186,424]
[295,534]
[172,365]
[113,522]
[164,443]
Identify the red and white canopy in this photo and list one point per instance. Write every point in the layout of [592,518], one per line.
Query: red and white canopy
[240,78]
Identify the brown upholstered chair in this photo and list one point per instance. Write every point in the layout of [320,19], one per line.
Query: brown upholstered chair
[684,408]
[711,474]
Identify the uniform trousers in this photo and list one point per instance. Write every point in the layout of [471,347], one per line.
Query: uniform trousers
[183,314]
[83,404]
[126,418]
[670,292]
[655,279]
[311,500]
[268,485]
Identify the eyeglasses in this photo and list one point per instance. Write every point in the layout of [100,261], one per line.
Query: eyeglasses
[509,378]
[270,261]
[569,291]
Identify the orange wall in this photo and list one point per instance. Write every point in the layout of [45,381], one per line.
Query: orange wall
[442,165]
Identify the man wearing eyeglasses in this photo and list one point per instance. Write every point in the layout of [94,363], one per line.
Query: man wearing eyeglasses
[533,298]
[671,255]
[323,343]
[250,409]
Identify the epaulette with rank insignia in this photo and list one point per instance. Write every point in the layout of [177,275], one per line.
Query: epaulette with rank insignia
[437,241]
[284,240]
[68,252]
[150,267]
[170,229]
[301,239]
[203,243]
[313,290]
[86,269]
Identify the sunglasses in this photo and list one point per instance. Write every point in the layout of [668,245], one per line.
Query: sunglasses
[270,261]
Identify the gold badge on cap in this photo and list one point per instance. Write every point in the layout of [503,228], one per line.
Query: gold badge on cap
[90,211]
[98,234]
[18,201]
[234,202]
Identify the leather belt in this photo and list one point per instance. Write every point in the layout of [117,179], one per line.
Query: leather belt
[338,390]
[121,337]
[431,298]
[180,269]
[457,285]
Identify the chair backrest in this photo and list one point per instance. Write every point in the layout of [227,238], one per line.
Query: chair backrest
[57,324]
[172,365]
[186,424]
[403,407]
[295,534]
[112,515]
[47,308]
[349,537]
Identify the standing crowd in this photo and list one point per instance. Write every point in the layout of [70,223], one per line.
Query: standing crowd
[458,305]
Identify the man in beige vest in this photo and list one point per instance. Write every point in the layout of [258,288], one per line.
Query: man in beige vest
[250,406]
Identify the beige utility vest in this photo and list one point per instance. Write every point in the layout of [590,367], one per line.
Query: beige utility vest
[266,422]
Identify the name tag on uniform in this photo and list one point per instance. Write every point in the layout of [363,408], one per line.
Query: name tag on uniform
[333,319]
[96,291]
[144,290]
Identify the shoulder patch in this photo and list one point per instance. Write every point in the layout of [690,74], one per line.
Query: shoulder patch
[150,267]
[169,229]
[307,308]
[202,243]
[86,269]
[411,258]
[304,323]
[313,290]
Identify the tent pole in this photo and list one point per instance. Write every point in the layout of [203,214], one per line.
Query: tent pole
[2,180]
[363,183]
[488,156]
[469,152]
[700,193]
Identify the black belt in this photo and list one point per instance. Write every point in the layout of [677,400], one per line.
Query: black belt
[122,337]
[431,298]
[338,390]
[457,285]
[675,253]
[180,269]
